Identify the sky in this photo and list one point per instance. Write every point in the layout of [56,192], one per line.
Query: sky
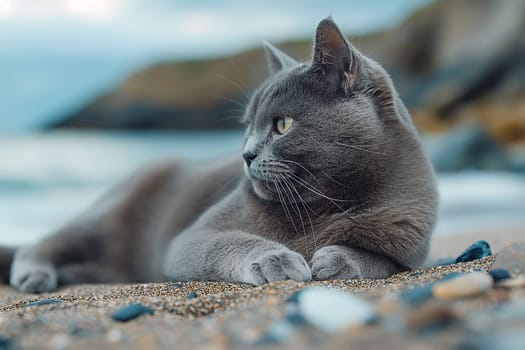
[56,55]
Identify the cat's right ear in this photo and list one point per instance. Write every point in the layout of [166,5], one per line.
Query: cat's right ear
[277,60]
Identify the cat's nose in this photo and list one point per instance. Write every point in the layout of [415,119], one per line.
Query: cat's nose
[249,157]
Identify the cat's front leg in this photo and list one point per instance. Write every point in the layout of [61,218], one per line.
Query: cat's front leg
[233,257]
[340,262]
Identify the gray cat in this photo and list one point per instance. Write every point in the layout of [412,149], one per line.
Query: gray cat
[333,185]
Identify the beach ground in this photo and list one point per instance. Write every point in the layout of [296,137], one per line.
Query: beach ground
[224,315]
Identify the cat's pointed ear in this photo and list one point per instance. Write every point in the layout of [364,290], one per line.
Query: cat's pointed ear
[277,60]
[334,57]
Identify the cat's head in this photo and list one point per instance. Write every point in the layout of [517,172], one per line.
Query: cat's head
[322,129]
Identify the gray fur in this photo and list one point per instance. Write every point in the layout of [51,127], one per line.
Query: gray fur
[345,193]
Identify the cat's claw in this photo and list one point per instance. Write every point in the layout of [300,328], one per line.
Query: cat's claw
[33,278]
[333,263]
[278,265]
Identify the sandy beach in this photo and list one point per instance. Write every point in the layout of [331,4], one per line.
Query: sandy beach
[214,315]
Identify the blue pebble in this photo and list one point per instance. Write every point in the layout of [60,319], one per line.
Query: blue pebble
[417,295]
[436,326]
[451,275]
[131,311]
[295,318]
[191,295]
[499,274]
[478,250]
[43,302]
[176,285]
[294,298]
[6,344]
[278,333]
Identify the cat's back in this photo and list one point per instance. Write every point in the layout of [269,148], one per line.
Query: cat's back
[178,189]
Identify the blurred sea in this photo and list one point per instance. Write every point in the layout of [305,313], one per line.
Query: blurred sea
[48,178]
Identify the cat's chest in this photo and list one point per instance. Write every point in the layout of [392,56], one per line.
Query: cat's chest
[302,234]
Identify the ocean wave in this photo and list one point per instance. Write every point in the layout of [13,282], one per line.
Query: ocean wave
[15,184]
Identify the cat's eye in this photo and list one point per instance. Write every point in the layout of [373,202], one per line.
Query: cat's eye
[283,124]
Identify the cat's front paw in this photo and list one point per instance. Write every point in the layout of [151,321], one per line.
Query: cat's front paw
[333,263]
[277,265]
[33,278]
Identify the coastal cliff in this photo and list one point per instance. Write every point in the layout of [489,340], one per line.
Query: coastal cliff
[451,61]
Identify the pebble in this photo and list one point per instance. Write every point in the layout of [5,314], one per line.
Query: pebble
[114,335]
[294,298]
[516,282]
[477,250]
[295,318]
[332,310]
[278,333]
[511,258]
[451,275]
[431,317]
[499,274]
[418,294]
[43,302]
[6,343]
[131,311]
[175,285]
[464,286]
[191,295]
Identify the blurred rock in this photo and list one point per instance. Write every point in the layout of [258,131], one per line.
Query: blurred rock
[477,250]
[464,286]
[468,148]
[331,310]
[6,343]
[517,282]
[418,294]
[191,295]
[130,312]
[511,258]
[499,274]
[278,333]
[431,317]
[43,302]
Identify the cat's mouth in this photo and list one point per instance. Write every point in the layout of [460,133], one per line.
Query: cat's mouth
[264,176]
[263,183]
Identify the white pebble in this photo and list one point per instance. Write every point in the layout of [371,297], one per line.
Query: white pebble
[114,335]
[516,282]
[464,286]
[332,310]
